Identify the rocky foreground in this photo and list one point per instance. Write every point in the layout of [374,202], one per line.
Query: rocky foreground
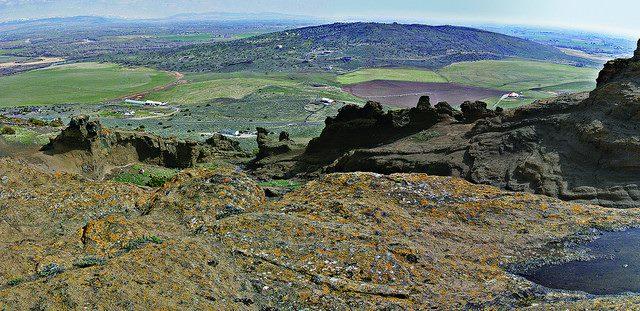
[209,240]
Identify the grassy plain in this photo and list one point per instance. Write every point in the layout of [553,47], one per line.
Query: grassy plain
[516,75]
[399,74]
[205,87]
[83,83]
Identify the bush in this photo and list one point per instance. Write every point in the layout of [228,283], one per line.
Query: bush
[37,122]
[89,262]
[15,282]
[7,130]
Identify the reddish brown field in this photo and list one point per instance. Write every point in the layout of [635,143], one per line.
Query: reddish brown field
[406,94]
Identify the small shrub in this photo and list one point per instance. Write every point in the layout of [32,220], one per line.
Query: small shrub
[7,130]
[51,270]
[140,242]
[157,181]
[37,122]
[89,262]
[15,282]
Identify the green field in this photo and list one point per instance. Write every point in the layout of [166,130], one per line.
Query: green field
[205,87]
[517,75]
[83,83]
[400,74]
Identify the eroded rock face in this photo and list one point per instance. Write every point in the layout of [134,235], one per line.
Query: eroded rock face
[97,147]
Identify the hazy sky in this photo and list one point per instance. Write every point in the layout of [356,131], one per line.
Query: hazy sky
[616,16]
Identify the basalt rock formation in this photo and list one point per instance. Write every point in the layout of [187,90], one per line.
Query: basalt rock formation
[96,147]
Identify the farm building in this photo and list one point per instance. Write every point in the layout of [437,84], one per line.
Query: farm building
[145,103]
[514,95]
[327,101]
[229,132]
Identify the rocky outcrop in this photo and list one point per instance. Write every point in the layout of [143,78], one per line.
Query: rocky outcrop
[209,240]
[276,157]
[365,127]
[97,147]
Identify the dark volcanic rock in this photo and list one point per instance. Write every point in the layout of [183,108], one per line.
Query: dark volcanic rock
[474,111]
[91,142]
[364,127]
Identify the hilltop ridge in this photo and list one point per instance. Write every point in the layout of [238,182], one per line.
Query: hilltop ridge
[347,46]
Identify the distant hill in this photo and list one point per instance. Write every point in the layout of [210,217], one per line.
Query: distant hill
[346,46]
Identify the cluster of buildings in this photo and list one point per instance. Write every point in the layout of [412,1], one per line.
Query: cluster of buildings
[145,103]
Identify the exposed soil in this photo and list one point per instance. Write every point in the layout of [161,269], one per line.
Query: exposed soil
[406,94]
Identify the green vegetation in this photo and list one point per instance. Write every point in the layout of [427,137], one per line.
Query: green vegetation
[399,74]
[27,136]
[205,87]
[89,262]
[195,37]
[140,242]
[289,184]
[51,270]
[347,47]
[15,282]
[78,83]
[146,175]
[425,136]
[516,75]
[7,130]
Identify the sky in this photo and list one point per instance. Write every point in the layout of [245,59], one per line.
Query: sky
[612,16]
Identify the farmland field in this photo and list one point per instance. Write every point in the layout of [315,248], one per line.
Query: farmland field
[206,87]
[409,75]
[534,80]
[83,83]
[516,75]
[406,94]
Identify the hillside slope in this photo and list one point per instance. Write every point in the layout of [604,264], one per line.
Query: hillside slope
[349,46]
